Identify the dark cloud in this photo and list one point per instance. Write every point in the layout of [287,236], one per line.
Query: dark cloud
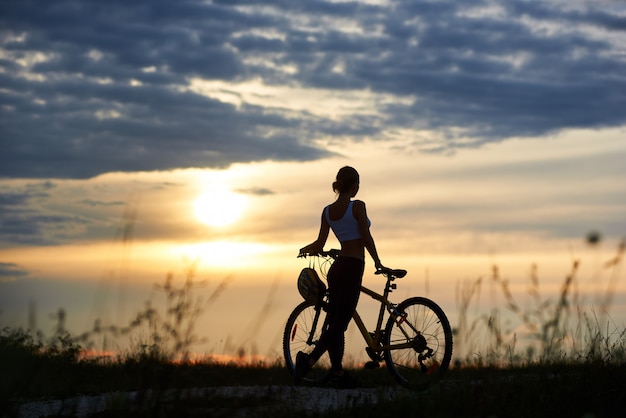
[95,203]
[11,272]
[89,87]
[258,191]
[25,219]
[27,227]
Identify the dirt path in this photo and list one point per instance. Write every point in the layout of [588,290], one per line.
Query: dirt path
[244,398]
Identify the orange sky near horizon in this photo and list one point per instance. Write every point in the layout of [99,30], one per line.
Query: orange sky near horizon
[447,220]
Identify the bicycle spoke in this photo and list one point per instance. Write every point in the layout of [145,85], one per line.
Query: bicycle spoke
[296,338]
[427,333]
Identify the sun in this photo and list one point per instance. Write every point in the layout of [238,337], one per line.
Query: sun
[219,207]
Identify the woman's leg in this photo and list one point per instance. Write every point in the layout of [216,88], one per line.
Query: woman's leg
[344,287]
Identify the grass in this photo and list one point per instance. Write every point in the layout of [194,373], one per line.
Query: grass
[575,364]
[554,330]
[576,389]
[534,391]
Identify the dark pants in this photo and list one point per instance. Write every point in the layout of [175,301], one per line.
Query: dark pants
[344,286]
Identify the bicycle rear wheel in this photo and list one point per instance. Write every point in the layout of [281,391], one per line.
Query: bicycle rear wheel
[425,327]
[302,332]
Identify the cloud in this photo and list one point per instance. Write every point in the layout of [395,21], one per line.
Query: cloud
[88,87]
[25,218]
[10,272]
[257,191]
[95,203]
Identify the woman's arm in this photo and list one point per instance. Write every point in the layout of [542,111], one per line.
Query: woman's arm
[317,245]
[360,214]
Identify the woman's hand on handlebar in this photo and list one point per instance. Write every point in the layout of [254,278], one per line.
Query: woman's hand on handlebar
[308,250]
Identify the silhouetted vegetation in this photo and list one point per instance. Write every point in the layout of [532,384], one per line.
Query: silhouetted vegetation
[555,330]
[575,363]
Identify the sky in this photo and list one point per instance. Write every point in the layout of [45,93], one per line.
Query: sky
[485,132]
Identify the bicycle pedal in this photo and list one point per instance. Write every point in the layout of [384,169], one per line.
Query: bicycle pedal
[376,357]
[371,365]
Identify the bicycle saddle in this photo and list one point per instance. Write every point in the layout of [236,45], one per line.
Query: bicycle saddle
[398,273]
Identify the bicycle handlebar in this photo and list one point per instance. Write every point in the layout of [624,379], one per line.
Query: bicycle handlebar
[334,253]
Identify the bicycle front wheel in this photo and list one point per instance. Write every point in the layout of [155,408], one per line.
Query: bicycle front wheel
[423,340]
[302,333]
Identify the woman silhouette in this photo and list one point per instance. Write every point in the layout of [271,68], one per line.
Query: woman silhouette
[350,224]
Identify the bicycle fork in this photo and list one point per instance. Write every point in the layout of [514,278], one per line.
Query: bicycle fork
[318,310]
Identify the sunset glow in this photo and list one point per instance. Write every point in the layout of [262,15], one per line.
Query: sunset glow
[223,253]
[489,136]
[219,207]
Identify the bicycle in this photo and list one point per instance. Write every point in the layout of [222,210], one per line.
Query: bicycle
[416,343]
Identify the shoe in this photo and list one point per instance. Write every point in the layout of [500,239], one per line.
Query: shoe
[302,367]
[343,381]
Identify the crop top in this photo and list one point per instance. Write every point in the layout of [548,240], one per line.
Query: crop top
[346,228]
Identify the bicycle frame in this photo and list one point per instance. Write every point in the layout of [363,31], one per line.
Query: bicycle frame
[374,342]
[385,305]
